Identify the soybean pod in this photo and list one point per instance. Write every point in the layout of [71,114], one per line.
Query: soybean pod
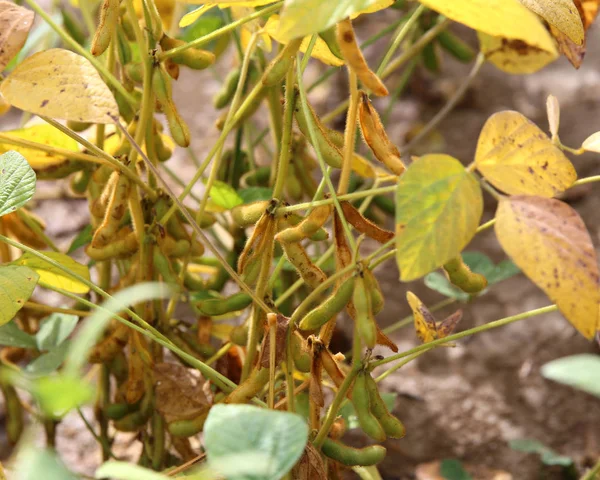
[372,284]
[194,58]
[115,211]
[123,246]
[353,457]
[355,59]
[334,304]
[109,15]
[362,404]
[376,138]
[365,323]
[332,155]
[227,91]
[391,425]
[248,214]
[300,353]
[307,227]
[161,84]
[364,225]
[312,275]
[221,306]
[187,428]
[279,66]
[463,277]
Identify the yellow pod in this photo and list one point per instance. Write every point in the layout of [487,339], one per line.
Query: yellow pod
[459,274]
[307,227]
[248,214]
[194,58]
[375,137]
[109,16]
[312,275]
[115,211]
[119,248]
[355,59]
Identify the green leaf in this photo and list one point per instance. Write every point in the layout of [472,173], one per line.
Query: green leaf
[300,18]
[83,238]
[451,469]
[127,471]
[579,371]
[59,394]
[94,325]
[53,275]
[438,208]
[224,195]
[33,460]
[478,263]
[207,23]
[255,194]
[12,336]
[48,362]
[245,429]
[16,286]
[17,182]
[54,330]
[548,456]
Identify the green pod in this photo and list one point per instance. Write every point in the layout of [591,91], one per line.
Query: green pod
[206,220]
[374,289]
[276,70]
[334,304]
[249,110]
[249,213]
[329,37]
[353,457]
[258,177]
[362,404]
[116,411]
[60,170]
[187,428]
[391,425]
[252,270]
[300,354]
[332,155]
[365,323]
[194,58]
[73,26]
[336,137]
[163,266]
[135,72]
[430,58]
[224,96]
[127,26]
[80,181]
[239,335]
[221,306]
[132,422]
[125,109]
[204,350]
[461,275]
[156,25]
[78,126]
[293,187]
[123,47]
[163,153]
[14,413]
[456,47]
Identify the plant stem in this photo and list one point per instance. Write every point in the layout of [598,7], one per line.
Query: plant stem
[349,134]
[221,31]
[286,138]
[402,34]
[400,365]
[593,473]
[466,333]
[48,309]
[435,121]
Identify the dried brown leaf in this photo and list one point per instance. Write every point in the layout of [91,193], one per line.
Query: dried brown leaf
[15,23]
[280,337]
[310,466]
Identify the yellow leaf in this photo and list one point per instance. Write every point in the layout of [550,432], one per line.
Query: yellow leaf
[562,14]
[515,56]
[438,208]
[592,143]
[378,5]
[60,84]
[515,156]
[320,50]
[362,166]
[301,18]
[15,23]
[549,242]
[425,325]
[166,9]
[194,15]
[54,276]
[499,18]
[250,28]
[46,135]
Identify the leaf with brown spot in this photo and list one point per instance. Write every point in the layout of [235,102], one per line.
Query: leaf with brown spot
[15,23]
[16,286]
[426,326]
[515,156]
[548,240]
[310,466]
[60,84]
[179,393]
[561,14]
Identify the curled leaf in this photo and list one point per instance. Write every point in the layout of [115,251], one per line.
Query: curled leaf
[15,23]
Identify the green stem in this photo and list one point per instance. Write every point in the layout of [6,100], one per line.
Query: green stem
[286,139]
[221,31]
[110,78]
[349,197]
[404,31]
[399,365]
[466,333]
[593,473]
